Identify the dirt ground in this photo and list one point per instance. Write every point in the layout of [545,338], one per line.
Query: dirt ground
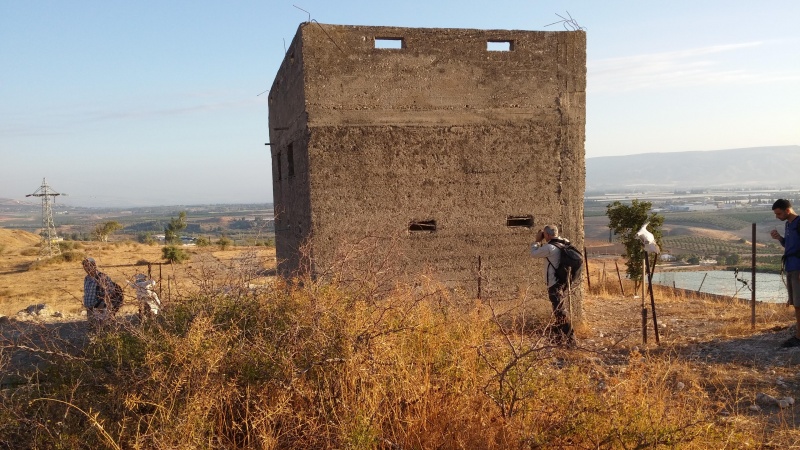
[25,282]
[41,305]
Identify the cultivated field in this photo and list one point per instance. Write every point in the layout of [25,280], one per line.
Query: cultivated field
[706,235]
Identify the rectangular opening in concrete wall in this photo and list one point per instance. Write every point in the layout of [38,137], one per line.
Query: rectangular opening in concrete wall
[499,46]
[520,221]
[290,159]
[389,43]
[422,225]
[277,162]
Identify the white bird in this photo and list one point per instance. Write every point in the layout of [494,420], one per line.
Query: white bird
[648,240]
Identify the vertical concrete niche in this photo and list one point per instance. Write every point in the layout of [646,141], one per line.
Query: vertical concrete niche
[407,151]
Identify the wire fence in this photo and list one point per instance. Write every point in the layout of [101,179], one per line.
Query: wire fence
[733,281]
[769,287]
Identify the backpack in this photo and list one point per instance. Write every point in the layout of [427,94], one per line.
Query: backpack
[114,295]
[571,261]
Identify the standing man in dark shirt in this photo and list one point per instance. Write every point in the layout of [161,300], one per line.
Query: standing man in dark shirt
[791,259]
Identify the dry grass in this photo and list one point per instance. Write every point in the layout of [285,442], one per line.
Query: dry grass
[315,367]
[238,362]
[58,282]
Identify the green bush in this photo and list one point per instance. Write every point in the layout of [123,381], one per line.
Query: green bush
[266,243]
[72,256]
[224,243]
[145,238]
[68,256]
[174,254]
[66,245]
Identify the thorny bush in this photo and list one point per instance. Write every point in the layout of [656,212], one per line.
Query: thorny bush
[309,364]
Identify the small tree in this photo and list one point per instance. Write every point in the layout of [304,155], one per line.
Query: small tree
[224,243]
[625,221]
[103,230]
[174,228]
[732,259]
[203,241]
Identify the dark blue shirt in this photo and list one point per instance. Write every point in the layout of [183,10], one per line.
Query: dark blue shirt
[791,245]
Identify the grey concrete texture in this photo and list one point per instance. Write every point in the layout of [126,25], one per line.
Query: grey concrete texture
[440,130]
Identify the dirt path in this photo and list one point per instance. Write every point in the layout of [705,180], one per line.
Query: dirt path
[715,330]
[28,346]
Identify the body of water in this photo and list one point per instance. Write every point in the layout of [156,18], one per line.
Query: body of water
[770,287]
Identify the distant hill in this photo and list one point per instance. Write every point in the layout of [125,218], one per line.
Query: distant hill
[17,238]
[767,167]
[11,202]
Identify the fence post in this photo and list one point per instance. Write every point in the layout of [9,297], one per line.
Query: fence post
[701,283]
[644,325]
[650,290]
[603,278]
[586,263]
[619,277]
[644,305]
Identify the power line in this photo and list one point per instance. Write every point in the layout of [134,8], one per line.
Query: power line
[50,240]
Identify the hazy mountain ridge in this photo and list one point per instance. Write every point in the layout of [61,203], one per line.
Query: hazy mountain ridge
[755,167]
[769,167]
[12,202]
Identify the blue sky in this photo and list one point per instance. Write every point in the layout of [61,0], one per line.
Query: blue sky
[156,102]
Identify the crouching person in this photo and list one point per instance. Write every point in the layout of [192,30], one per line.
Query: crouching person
[148,300]
[101,296]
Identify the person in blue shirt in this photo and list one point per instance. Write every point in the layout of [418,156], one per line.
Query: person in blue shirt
[791,259]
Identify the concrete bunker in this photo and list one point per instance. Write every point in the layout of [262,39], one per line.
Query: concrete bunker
[448,148]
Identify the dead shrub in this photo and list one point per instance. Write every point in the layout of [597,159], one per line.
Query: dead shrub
[356,362]
[29,252]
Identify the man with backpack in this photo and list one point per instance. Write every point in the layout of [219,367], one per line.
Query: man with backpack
[101,296]
[563,268]
[790,241]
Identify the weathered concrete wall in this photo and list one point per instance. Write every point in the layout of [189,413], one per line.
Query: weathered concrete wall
[440,130]
[288,127]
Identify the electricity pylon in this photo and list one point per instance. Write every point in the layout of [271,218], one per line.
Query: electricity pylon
[49,239]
